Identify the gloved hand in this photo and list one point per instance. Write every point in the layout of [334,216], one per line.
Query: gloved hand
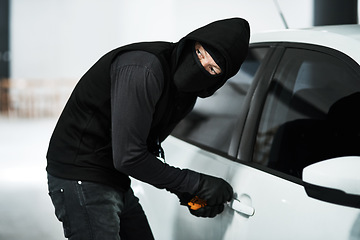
[215,191]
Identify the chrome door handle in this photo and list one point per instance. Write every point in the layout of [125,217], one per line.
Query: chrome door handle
[240,207]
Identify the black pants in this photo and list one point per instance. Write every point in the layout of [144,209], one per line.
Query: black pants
[91,211]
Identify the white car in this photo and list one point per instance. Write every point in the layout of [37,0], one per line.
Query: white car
[285,133]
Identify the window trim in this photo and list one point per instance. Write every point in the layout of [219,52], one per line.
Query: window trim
[240,125]
[245,147]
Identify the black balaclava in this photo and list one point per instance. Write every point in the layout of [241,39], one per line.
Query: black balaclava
[190,68]
[227,42]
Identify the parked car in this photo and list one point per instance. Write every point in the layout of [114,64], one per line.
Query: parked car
[285,133]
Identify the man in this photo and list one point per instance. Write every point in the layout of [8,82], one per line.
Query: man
[117,116]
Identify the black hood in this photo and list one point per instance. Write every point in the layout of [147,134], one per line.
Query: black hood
[230,38]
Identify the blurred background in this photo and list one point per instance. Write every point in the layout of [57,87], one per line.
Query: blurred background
[47,45]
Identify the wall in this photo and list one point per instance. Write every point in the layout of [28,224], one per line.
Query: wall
[53,39]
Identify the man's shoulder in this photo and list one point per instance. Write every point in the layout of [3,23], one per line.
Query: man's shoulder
[141,66]
[139,58]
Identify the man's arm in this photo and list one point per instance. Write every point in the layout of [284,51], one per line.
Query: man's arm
[136,88]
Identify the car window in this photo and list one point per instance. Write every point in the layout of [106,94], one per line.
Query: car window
[212,120]
[310,113]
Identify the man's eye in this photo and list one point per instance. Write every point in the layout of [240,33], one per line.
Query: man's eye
[212,70]
[198,52]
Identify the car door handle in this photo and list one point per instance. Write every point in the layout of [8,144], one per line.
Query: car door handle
[240,207]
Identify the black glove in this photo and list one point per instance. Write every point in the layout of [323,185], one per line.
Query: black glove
[215,191]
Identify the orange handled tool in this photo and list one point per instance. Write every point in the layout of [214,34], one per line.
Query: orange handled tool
[196,203]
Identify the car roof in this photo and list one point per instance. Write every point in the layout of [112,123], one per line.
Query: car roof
[344,38]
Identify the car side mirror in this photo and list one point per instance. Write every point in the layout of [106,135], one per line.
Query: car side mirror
[336,180]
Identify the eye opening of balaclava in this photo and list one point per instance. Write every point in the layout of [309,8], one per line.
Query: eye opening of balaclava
[190,76]
[216,56]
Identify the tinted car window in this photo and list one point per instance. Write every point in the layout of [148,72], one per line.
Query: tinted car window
[310,112]
[212,120]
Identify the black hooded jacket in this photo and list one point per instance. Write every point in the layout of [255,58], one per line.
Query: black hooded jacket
[81,147]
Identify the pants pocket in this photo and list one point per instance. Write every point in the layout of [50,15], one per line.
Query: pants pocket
[58,200]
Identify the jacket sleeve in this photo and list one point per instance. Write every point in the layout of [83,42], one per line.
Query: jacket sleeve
[135,90]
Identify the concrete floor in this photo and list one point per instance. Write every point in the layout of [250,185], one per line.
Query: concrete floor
[26,211]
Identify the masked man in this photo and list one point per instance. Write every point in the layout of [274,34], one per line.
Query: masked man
[120,111]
